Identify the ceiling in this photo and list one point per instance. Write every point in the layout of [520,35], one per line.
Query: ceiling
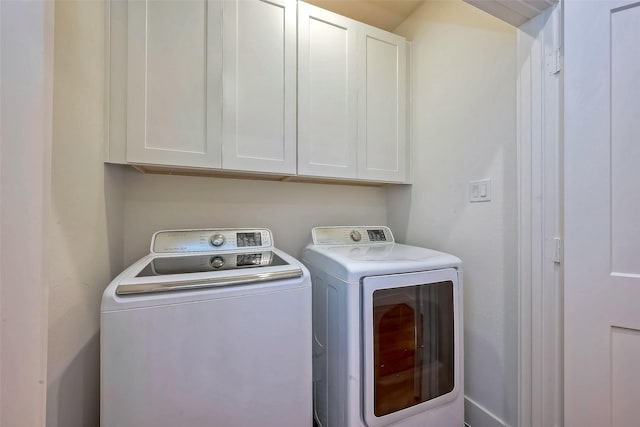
[385,14]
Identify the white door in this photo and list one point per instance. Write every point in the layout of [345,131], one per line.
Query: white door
[174,87]
[602,213]
[382,122]
[327,103]
[259,75]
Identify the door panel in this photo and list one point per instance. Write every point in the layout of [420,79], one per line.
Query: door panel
[602,199]
[625,132]
[327,105]
[625,376]
[176,74]
[259,62]
[174,103]
[381,105]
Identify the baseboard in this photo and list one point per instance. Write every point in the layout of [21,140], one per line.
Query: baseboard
[477,416]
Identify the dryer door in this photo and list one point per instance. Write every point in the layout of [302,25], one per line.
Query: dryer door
[411,356]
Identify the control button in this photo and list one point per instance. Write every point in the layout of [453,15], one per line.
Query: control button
[217,240]
[355,236]
[217,262]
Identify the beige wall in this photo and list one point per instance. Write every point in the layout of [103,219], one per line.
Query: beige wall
[464,128]
[290,210]
[86,216]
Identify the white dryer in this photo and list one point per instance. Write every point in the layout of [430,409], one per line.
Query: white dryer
[212,328]
[387,327]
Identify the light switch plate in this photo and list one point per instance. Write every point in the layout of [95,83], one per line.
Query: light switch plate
[480,191]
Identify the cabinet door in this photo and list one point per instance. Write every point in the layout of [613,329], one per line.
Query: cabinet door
[382,144]
[327,104]
[174,93]
[259,75]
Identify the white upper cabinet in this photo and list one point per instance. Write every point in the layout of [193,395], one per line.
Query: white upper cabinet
[327,98]
[382,125]
[268,86]
[351,100]
[259,80]
[204,72]
[174,83]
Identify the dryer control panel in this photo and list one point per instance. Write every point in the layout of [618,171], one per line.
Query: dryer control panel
[347,235]
[212,239]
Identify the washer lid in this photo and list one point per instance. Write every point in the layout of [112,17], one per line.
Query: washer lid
[131,289]
[163,273]
[352,262]
[169,265]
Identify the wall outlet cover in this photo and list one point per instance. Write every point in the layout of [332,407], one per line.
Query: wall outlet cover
[480,191]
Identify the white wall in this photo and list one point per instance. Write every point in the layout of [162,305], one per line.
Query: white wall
[86,216]
[290,210]
[464,128]
[26,30]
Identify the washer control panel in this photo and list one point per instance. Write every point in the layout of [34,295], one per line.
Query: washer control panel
[207,240]
[346,235]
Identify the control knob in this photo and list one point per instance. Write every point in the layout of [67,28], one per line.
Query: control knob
[217,240]
[217,262]
[355,236]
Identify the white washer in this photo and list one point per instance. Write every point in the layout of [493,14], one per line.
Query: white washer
[212,328]
[387,331]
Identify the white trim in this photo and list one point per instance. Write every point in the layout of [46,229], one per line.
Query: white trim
[107,80]
[409,116]
[1,192]
[25,143]
[115,81]
[479,416]
[539,221]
